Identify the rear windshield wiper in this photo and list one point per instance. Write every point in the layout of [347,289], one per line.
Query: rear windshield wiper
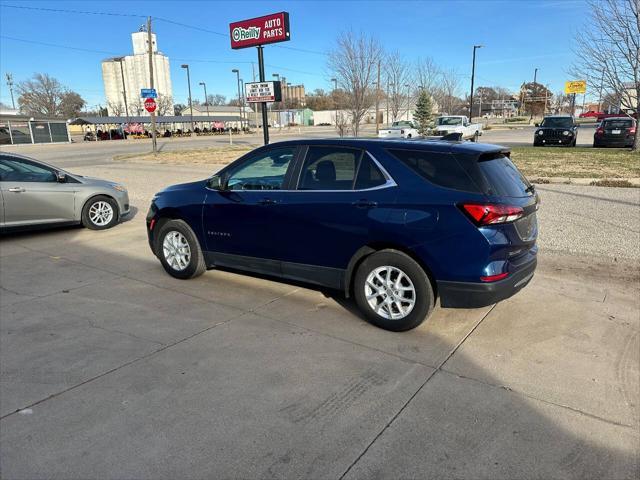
[531,188]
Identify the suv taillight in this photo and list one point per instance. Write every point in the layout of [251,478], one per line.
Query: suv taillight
[599,131]
[491,214]
[632,131]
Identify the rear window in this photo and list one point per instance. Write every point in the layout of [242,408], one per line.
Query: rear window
[437,167]
[491,173]
[624,123]
[496,174]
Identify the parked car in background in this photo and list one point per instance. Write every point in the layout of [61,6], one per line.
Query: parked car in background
[556,130]
[448,124]
[34,193]
[615,132]
[393,223]
[399,129]
[590,114]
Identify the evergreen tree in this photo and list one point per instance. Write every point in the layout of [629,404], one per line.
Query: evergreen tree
[422,115]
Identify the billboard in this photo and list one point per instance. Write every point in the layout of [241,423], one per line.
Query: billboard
[263,92]
[271,28]
[575,86]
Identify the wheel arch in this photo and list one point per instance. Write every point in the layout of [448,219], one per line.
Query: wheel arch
[364,252]
[88,199]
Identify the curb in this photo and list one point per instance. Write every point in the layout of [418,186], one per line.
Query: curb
[600,182]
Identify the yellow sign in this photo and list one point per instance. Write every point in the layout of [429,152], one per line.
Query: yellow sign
[575,86]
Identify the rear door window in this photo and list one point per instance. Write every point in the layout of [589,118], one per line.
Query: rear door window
[439,168]
[329,168]
[369,175]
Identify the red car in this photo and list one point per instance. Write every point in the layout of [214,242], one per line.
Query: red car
[591,113]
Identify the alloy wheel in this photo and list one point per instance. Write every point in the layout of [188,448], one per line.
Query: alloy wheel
[101,213]
[390,292]
[176,250]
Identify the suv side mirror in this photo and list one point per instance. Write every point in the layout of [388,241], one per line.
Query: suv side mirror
[61,177]
[214,183]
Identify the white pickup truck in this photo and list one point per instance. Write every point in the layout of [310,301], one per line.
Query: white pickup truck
[447,124]
[399,129]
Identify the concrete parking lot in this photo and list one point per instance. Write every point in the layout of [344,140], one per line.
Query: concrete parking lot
[113,369]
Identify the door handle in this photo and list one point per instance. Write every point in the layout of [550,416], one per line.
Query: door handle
[363,203]
[267,201]
[17,189]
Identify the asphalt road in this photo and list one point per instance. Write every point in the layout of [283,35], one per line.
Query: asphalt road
[98,153]
[112,369]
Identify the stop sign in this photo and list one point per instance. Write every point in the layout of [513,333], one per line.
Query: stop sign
[150,105]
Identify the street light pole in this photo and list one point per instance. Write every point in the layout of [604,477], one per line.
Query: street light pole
[237,72]
[408,99]
[190,102]
[473,76]
[533,92]
[244,110]
[335,102]
[277,77]
[206,101]
[389,85]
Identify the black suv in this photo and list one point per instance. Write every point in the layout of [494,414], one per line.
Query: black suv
[556,130]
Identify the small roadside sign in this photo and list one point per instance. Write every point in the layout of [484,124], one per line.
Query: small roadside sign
[575,86]
[263,92]
[148,93]
[150,105]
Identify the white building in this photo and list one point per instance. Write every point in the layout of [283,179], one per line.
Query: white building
[124,77]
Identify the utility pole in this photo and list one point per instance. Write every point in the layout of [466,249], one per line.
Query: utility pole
[10,85]
[389,85]
[533,92]
[599,94]
[244,110]
[153,114]
[124,91]
[378,100]
[473,76]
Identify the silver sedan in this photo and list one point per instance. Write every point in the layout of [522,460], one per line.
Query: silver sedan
[34,193]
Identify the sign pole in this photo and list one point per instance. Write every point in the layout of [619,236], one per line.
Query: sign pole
[265,121]
[153,114]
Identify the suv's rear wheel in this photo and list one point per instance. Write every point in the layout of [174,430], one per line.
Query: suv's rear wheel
[393,291]
[179,250]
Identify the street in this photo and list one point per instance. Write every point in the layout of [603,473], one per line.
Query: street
[96,153]
[111,368]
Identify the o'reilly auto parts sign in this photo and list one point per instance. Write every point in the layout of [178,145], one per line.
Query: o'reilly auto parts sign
[260,31]
[263,92]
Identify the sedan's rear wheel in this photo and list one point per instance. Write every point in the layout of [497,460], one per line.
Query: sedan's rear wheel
[179,250]
[100,213]
[393,291]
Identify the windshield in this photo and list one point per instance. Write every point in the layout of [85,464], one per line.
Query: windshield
[557,122]
[449,121]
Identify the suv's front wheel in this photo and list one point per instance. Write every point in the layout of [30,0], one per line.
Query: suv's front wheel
[179,251]
[393,291]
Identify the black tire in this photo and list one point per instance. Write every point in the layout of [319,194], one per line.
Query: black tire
[195,265]
[91,220]
[424,298]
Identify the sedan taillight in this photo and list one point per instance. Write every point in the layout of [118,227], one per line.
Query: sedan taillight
[600,131]
[491,214]
[632,131]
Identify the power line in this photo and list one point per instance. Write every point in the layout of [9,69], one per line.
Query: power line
[162,19]
[57,45]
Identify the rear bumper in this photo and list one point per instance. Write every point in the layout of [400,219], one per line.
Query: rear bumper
[613,142]
[475,295]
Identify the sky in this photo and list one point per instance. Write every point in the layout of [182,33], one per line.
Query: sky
[518,36]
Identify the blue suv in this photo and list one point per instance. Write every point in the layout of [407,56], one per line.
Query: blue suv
[394,224]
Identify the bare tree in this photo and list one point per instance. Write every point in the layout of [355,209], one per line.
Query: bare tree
[44,95]
[165,104]
[397,76]
[428,75]
[609,51]
[342,124]
[136,106]
[216,99]
[354,63]
[446,94]
[115,109]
